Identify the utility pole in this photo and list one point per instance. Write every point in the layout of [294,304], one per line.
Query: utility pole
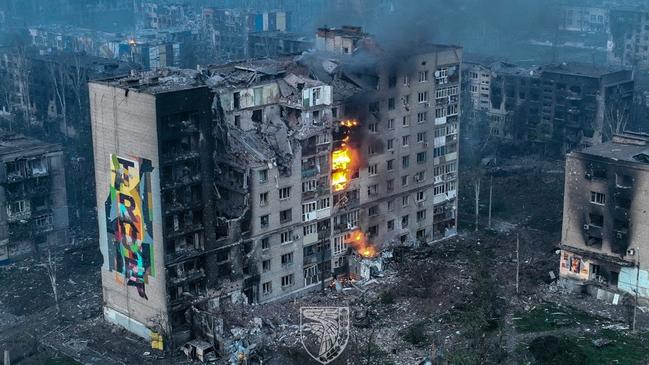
[518,261]
[637,281]
[491,190]
[476,186]
[322,266]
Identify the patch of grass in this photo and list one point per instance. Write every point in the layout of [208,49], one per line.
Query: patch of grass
[415,333]
[387,297]
[549,316]
[62,361]
[551,350]
[625,348]
[464,358]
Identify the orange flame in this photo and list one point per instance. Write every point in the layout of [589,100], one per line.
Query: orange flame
[349,123]
[361,245]
[342,160]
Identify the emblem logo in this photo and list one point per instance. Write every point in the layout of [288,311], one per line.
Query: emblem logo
[324,332]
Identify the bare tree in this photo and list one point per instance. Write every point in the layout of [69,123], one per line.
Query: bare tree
[476,178]
[22,75]
[616,121]
[78,76]
[50,267]
[59,80]
[618,113]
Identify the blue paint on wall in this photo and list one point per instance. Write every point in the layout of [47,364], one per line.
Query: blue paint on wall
[626,281]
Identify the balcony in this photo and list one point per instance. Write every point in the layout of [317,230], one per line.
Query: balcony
[26,193]
[19,176]
[188,228]
[323,213]
[173,157]
[43,224]
[309,172]
[183,181]
[310,238]
[308,195]
[188,277]
[183,254]
[25,215]
[316,258]
[178,206]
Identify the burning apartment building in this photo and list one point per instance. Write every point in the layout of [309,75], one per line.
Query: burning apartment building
[604,219]
[554,108]
[32,194]
[255,181]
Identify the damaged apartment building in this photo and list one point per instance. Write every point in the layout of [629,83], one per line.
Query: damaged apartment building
[604,219]
[32,196]
[254,181]
[628,43]
[554,108]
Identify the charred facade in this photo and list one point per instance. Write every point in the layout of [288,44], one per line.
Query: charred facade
[604,228]
[554,108]
[32,195]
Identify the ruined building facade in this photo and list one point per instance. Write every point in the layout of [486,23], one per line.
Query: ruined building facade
[343,41]
[34,210]
[604,224]
[408,180]
[629,38]
[556,107]
[226,185]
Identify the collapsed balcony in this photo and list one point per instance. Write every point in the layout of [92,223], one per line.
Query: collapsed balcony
[20,170]
[26,190]
[181,174]
[317,253]
[184,247]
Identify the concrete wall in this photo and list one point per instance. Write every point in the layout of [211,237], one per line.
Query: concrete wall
[59,199]
[578,207]
[391,203]
[124,124]
[275,182]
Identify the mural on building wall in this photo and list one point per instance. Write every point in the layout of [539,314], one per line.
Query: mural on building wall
[129,222]
[574,264]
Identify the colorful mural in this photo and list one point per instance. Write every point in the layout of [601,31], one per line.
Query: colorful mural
[575,265]
[129,218]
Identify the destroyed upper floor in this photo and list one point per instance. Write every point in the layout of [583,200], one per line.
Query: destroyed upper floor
[627,148]
[23,157]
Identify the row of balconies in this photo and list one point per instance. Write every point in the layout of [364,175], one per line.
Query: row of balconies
[178,156]
[26,174]
[182,254]
[182,181]
[22,192]
[188,276]
[177,206]
[184,229]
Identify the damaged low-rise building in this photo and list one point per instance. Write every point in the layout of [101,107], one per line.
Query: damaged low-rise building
[604,219]
[251,182]
[32,196]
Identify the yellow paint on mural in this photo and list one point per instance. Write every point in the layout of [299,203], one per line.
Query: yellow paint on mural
[157,342]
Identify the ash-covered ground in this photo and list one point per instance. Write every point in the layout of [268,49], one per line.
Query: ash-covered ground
[451,303]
